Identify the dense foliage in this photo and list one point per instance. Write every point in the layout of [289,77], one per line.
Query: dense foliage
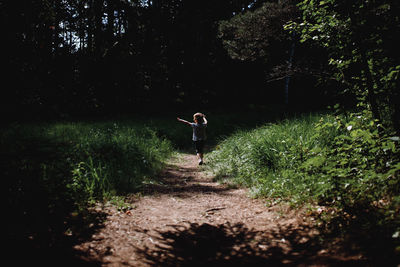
[359,37]
[349,162]
[339,162]
[259,34]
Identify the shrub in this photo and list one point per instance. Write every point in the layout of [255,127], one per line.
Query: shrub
[361,161]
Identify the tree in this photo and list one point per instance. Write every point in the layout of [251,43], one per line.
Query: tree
[358,36]
[68,57]
[259,36]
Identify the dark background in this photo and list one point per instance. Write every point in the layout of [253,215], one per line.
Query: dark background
[71,59]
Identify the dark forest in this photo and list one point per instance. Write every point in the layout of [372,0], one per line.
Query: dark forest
[302,100]
[89,58]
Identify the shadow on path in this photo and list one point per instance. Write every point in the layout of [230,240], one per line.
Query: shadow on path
[227,244]
[178,234]
[54,249]
[185,181]
[236,245]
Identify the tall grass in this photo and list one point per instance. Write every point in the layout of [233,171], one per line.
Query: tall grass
[53,170]
[220,125]
[312,158]
[265,158]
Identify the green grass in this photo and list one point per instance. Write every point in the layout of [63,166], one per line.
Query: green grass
[53,170]
[312,158]
[220,125]
[265,158]
[100,157]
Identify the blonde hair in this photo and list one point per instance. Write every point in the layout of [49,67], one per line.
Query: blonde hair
[198,117]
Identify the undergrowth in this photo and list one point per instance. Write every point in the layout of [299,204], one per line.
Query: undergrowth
[55,171]
[348,163]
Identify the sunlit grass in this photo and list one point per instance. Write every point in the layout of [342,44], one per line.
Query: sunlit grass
[265,159]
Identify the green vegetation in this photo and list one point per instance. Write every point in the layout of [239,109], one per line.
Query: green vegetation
[221,125]
[356,35]
[70,59]
[313,157]
[55,171]
[346,162]
[254,158]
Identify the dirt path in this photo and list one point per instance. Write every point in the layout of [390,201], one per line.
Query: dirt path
[189,220]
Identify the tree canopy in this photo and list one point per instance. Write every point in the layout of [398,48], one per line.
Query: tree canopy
[74,57]
[68,57]
[359,37]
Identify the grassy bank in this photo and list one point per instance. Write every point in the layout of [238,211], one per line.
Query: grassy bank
[54,171]
[346,167]
[266,158]
[310,157]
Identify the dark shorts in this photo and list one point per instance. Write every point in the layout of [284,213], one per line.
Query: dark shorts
[199,146]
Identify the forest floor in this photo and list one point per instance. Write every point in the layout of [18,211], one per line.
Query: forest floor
[187,219]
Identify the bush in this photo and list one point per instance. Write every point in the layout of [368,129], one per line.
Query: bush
[361,161]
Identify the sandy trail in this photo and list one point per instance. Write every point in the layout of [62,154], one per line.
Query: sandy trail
[189,220]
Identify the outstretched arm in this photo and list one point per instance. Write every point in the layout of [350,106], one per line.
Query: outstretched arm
[179,119]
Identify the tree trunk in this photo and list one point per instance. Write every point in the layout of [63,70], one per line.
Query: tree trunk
[396,109]
[371,96]
[110,22]
[359,41]
[287,80]
[98,34]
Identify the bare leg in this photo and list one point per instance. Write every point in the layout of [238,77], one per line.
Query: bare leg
[200,157]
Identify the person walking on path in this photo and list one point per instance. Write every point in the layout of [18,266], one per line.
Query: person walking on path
[199,133]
